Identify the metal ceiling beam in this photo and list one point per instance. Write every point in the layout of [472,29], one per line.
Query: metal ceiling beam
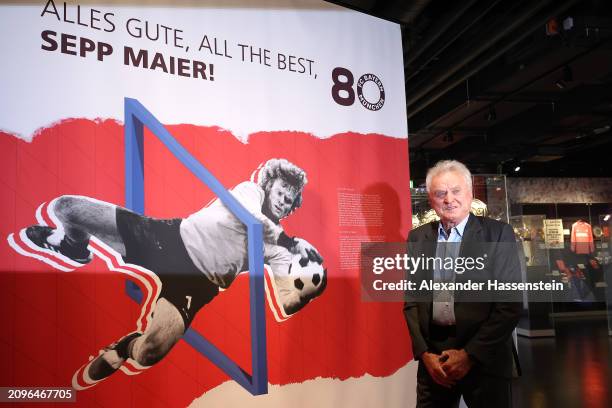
[515,141]
[416,66]
[464,56]
[506,97]
[411,13]
[410,54]
[526,30]
[385,9]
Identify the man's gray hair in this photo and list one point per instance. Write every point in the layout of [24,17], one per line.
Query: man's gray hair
[445,166]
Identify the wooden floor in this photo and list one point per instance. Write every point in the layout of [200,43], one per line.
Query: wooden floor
[573,369]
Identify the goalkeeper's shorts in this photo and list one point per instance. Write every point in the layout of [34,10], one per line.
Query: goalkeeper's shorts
[156,244]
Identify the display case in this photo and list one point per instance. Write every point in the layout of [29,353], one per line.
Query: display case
[576,239]
[605,223]
[534,254]
[490,199]
[601,233]
[491,190]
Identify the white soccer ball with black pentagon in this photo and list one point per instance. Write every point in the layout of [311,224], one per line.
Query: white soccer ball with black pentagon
[309,277]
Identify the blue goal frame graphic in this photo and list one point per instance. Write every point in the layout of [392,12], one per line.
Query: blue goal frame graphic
[136,117]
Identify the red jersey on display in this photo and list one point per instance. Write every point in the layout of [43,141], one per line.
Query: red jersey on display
[582,238]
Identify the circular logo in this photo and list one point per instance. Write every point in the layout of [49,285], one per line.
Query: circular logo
[363,80]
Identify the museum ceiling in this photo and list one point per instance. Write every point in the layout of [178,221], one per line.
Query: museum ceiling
[501,84]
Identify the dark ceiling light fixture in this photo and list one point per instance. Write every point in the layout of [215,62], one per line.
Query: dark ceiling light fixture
[492,115]
[448,137]
[509,165]
[552,27]
[568,76]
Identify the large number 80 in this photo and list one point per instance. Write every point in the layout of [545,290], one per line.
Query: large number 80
[346,85]
[344,94]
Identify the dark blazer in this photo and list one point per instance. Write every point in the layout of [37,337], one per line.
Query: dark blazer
[483,329]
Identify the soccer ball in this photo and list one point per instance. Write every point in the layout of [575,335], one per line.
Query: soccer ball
[309,277]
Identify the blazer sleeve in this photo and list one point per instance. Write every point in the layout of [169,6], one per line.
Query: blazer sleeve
[411,314]
[504,316]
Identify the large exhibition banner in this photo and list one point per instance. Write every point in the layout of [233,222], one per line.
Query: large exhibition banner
[102,103]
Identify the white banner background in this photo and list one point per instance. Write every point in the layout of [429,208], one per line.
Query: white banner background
[244,97]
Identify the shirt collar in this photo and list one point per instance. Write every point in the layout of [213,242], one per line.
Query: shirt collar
[459,228]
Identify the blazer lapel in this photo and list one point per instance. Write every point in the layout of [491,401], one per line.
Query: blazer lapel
[471,233]
[431,239]
[471,244]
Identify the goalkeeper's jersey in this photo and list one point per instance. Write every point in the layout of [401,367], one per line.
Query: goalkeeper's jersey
[216,240]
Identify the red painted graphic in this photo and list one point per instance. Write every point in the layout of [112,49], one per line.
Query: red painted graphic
[54,320]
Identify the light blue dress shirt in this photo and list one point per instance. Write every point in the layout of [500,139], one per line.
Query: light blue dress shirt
[443,313]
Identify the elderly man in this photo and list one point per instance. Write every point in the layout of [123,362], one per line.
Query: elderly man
[463,348]
[190,259]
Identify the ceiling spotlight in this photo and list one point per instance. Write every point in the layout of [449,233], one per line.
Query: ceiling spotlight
[568,76]
[517,169]
[601,130]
